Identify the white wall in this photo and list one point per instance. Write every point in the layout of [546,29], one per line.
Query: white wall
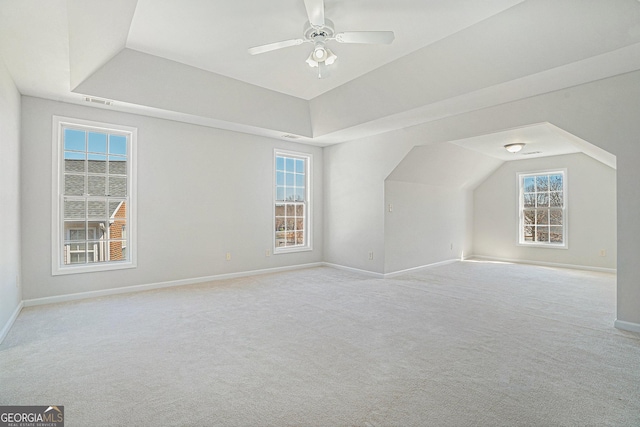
[430,192]
[202,192]
[10,293]
[354,200]
[427,224]
[603,112]
[591,196]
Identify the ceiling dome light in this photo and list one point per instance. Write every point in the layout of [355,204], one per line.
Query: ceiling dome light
[515,147]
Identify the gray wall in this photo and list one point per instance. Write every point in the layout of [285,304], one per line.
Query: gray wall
[354,200]
[591,209]
[428,224]
[10,293]
[604,113]
[202,192]
[431,194]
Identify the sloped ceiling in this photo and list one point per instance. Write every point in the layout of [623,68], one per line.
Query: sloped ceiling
[465,163]
[433,165]
[541,140]
[97,31]
[187,60]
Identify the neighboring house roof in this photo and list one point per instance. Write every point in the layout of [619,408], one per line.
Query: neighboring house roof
[97,185]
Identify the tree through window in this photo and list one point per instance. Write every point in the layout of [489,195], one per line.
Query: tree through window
[543,208]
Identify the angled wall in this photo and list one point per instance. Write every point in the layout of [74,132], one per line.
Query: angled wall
[429,205]
[10,292]
[354,200]
[426,224]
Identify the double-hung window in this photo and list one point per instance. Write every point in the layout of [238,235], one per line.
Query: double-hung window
[292,213]
[93,196]
[543,209]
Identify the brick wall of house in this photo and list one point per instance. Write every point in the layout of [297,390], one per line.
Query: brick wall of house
[115,232]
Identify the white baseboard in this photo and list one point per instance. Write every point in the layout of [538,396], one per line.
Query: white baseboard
[627,326]
[422,267]
[10,322]
[160,285]
[354,270]
[388,275]
[542,263]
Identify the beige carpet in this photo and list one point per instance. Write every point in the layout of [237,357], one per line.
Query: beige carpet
[465,344]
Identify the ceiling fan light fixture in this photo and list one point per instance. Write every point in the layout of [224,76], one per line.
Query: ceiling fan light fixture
[318,30]
[321,54]
[515,147]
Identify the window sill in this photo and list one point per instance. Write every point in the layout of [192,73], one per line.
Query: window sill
[280,251]
[543,245]
[75,269]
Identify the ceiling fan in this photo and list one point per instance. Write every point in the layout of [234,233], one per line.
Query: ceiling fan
[319,31]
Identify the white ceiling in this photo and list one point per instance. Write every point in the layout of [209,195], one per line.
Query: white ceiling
[540,140]
[215,36]
[187,60]
[478,157]
[432,165]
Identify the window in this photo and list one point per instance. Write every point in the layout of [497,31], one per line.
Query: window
[292,204]
[93,193]
[543,209]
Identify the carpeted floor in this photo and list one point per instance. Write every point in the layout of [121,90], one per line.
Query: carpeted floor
[464,344]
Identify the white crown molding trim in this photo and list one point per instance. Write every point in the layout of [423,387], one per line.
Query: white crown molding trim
[160,285]
[10,322]
[542,263]
[627,326]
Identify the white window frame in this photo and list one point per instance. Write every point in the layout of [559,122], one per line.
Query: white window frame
[57,189]
[308,223]
[565,211]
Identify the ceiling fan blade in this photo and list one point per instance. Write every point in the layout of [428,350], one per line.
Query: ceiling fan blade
[273,46]
[315,12]
[374,37]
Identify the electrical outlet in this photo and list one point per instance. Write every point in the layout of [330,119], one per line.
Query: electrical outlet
[228,256]
[371,255]
[267,253]
[603,252]
[390,207]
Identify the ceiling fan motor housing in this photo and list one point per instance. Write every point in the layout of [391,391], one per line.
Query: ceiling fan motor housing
[326,31]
